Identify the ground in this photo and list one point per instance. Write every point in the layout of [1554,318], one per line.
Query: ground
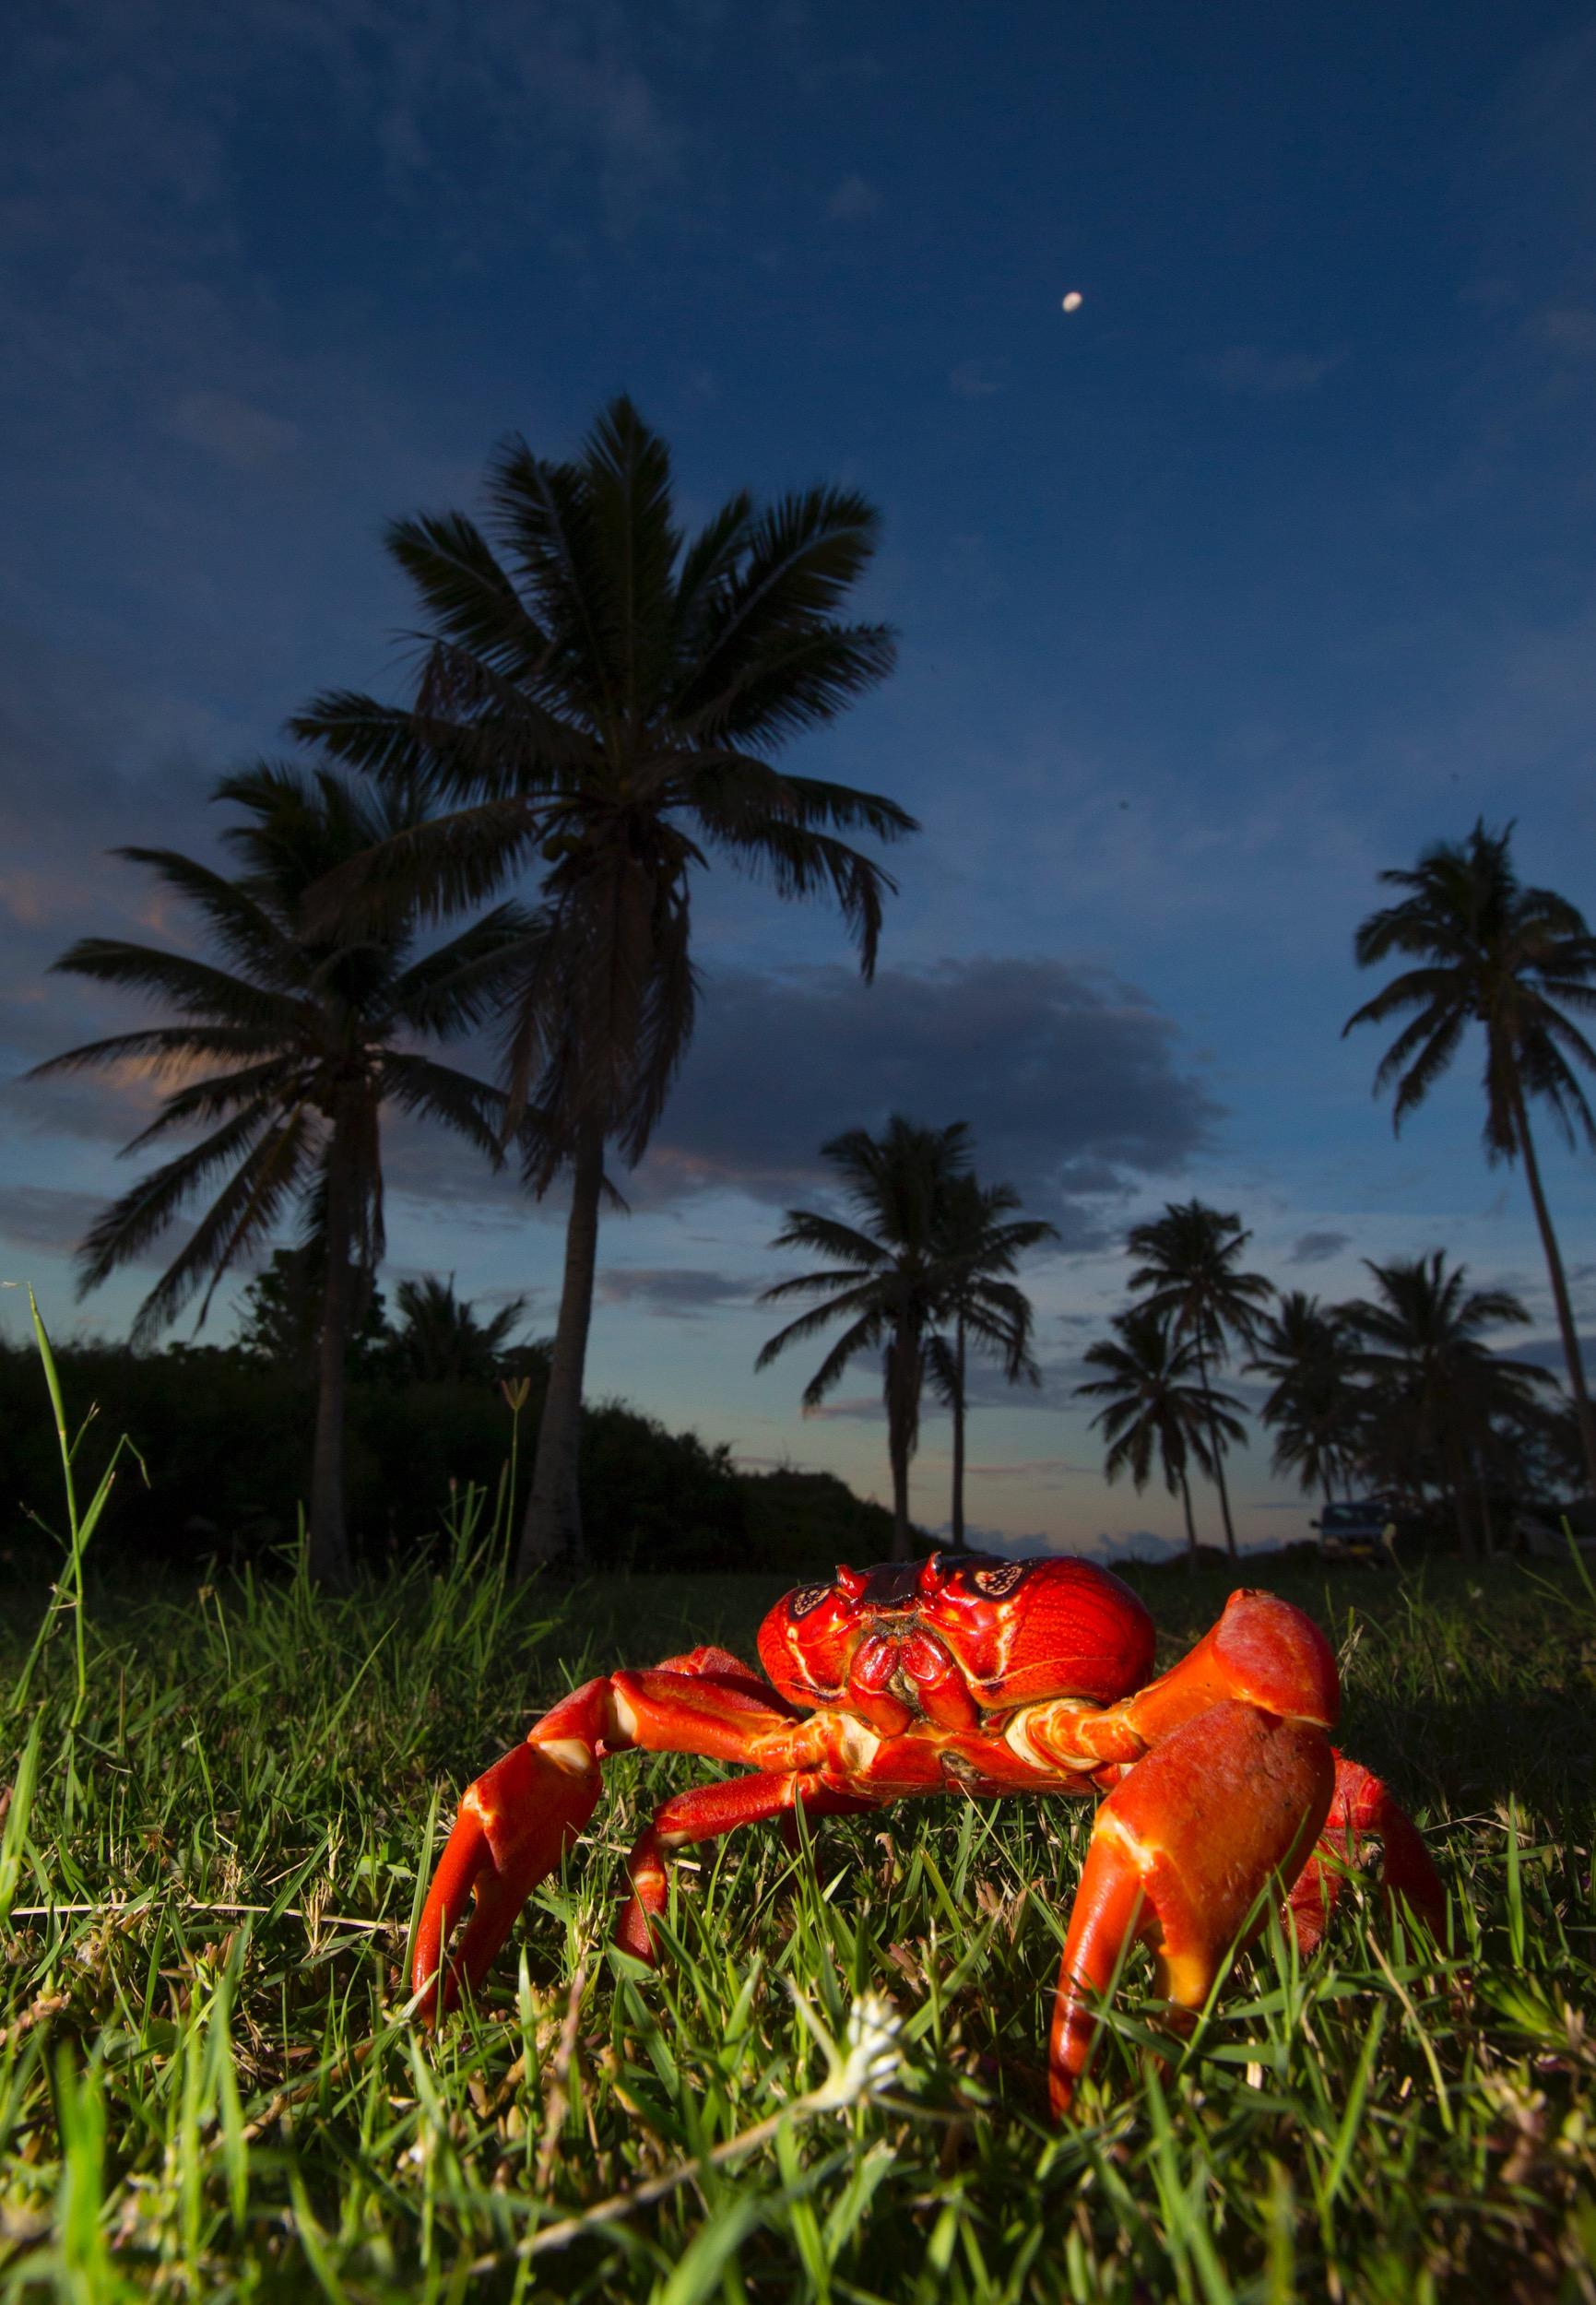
[207,2086]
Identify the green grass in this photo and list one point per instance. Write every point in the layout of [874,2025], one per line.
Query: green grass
[211,1857]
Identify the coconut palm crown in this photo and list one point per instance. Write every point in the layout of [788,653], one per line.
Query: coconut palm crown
[1313,1407]
[981,1242]
[1192,1278]
[605,697]
[1435,1384]
[884,1274]
[1151,1408]
[288,1046]
[1512,960]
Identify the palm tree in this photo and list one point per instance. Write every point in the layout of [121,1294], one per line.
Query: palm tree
[440,1340]
[1436,1386]
[1511,958]
[884,1274]
[604,696]
[1190,1272]
[288,1047]
[1150,1405]
[980,1244]
[1315,1407]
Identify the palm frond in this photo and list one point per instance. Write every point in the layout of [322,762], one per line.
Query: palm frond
[192,987]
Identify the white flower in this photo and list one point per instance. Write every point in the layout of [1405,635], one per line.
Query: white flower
[873,2059]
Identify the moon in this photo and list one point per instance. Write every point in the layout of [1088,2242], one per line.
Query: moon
[1074,300]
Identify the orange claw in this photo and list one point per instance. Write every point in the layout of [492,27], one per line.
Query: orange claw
[1181,1849]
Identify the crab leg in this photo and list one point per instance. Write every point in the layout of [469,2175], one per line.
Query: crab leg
[517,1820]
[1361,1805]
[703,1814]
[1181,1853]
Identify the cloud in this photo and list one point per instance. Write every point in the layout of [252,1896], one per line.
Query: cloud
[1569,330]
[45,1216]
[977,380]
[679,1293]
[1547,1352]
[56,1218]
[1316,1249]
[1071,1081]
[853,198]
[1254,373]
[233,431]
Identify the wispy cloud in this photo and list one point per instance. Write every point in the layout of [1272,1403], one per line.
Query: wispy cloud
[854,198]
[1567,331]
[681,1293]
[233,431]
[1253,372]
[979,380]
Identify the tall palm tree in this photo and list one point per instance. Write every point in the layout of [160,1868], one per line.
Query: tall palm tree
[440,1341]
[1436,1383]
[1315,1408]
[604,696]
[1151,1406]
[1512,960]
[884,1274]
[1191,1273]
[288,1046]
[980,1244]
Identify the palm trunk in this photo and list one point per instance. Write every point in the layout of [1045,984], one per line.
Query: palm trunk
[958,1533]
[1190,1524]
[1571,1354]
[552,1534]
[903,1372]
[1457,1483]
[1213,1443]
[1483,1505]
[327,1552]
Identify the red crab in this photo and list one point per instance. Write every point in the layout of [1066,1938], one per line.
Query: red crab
[967,1674]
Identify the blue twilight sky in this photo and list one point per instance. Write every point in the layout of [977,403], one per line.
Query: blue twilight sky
[1268,565]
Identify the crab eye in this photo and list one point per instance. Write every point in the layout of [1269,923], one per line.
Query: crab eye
[997,1583]
[808,1597]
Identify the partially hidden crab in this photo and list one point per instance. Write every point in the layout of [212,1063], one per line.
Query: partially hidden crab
[979,1677]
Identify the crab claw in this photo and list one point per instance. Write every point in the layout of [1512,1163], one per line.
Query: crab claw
[516,1823]
[1181,1853]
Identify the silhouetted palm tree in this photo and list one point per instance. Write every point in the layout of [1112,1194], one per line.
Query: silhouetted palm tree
[606,696]
[1435,1384]
[1315,1408]
[883,1274]
[288,1046]
[980,1243]
[440,1341]
[1151,1408]
[1511,958]
[1190,1274]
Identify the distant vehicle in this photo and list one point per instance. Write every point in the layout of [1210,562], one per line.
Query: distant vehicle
[1362,1534]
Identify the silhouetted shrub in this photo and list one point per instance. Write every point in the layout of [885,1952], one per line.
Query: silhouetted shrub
[226,1442]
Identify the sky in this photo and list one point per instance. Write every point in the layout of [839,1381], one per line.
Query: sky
[1265,567]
